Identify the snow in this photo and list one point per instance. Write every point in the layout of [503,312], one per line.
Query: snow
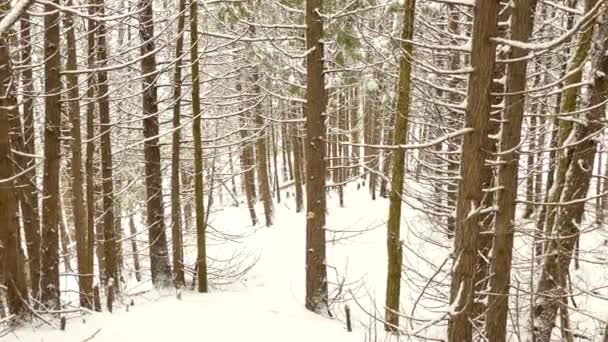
[267,303]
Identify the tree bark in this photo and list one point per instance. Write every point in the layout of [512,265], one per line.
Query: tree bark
[159,258]
[176,213]
[500,261]
[85,278]
[29,202]
[393,226]
[262,156]
[201,261]
[575,186]
[316,271]
[90,146]
[12,273]
[107,172]
[474,155]
[50,186]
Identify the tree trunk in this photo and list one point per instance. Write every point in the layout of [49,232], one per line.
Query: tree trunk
[12,273]
[52,134]
[176,213]
[85,279]
[354,131]
[316,271]
[575,186]
[276,166]
[502,251]
[297,165]
[261,154]
[107,176]
[159,258]
[470,191]
[568,104]
[134,249]
[90,147]
[393,226]
[201,242]
[29,202]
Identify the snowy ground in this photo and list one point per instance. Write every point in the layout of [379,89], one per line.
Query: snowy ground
[267,303]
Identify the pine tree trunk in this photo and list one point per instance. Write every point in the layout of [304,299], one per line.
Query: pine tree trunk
[159,258]
[340,163]
[287,149]
[90,146]
[50,182]
[12,272]
[107,170]
[29,202]
[134,249]
[316,102]
[393,226]
[85,279]
[470,191]
[354,129]
[453,158]
[262,156]
[297,165]
[176,213]
[575,186]
[276,166]
[201,229]
[568,104]
[530,170]
[502,251]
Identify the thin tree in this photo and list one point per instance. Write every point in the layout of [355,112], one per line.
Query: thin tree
[159,258]
[201,229]
[107,170]
[393,226]
[85,279]
[176,224]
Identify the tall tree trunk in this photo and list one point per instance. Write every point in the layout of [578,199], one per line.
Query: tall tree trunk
[316,102]
[159,258]
[355,151]
[276,166]
[134,249]
[286,149]
[297,166]
[454,157]
[52,133]
[90,147]
[29,204]
[176,213]
[575,186]
[500,261]
[85,279]
[12,273]
[107,171]
[261,154]
[201,242]
[393,226]
[568,105]
[340,163]
[470,191]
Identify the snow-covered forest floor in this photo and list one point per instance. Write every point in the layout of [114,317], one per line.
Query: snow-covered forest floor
[259,272]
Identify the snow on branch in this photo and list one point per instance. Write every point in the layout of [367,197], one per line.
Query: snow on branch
[13,15]
[418,146]
[593,12]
